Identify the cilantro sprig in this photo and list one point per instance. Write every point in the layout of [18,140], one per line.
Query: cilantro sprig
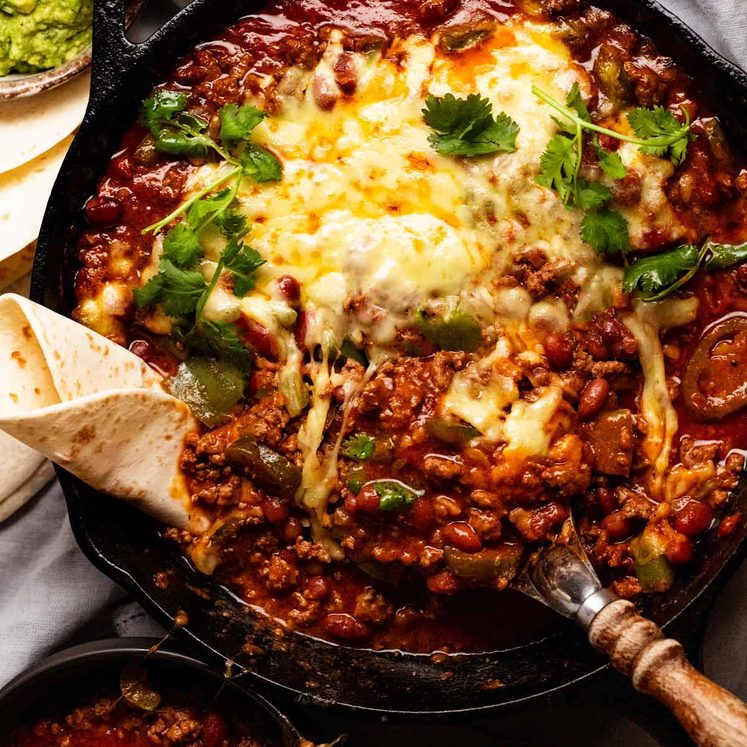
[466,127]
[181,133]
[560,166]
[180,286]
[657,276]
[657,131]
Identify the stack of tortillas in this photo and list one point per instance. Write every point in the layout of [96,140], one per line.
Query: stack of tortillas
[95,408]
[35,133]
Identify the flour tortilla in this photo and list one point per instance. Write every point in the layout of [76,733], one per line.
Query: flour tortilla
[23,199]
[95,409]
[15,267]
[30,126]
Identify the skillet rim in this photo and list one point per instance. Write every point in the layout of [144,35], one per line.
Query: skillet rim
[71,487]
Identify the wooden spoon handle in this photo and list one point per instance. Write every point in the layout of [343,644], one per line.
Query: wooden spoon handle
[712,716]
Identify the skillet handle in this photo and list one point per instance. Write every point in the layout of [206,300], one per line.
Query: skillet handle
[112,52]
[712,716]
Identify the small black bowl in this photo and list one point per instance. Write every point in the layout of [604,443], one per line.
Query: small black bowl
[22,699]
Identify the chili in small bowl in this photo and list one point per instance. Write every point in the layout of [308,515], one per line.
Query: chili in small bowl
[117,692]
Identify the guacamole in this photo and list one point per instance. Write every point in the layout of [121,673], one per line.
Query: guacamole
[40,34]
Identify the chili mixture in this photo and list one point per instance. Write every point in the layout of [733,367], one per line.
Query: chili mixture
[432,275]
[187,719]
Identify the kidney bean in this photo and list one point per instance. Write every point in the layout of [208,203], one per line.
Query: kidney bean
[462,535]
[325,92]
[421,514]
[260,338]
[617,526]
[728,525]
[679,550]
[693,518]
[435,11]
[346,627]
[368,499]
[606,499]
[444,582]
[121,167]
[616,336]
[103,211]
[559,350]
[593,397]
[275,509]
[290,288]
[346,76]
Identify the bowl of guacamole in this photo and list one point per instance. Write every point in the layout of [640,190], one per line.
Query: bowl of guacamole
[42,43]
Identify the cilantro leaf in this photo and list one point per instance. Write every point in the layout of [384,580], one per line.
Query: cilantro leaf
[395,495]
[558,167]
[450,114]
[575,101]
[466,127]
[723,256]
[237,122]
[611,163]
[177,290]
[359,446]
[177,143]
[242,261]
[260,164]
[148,294]
[666,135]
[181,246]
[591,195]
[606,231]
[208,209]
[160,108]
[232,224]
[654,274]
[220,340]
[175,131]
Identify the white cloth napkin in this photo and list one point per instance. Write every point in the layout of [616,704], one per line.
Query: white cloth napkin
[50,594]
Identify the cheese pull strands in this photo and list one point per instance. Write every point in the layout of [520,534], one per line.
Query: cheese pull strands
[95,409]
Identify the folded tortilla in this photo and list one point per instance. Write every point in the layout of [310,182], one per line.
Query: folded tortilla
[95,409]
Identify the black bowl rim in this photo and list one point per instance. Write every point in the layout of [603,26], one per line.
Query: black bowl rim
[108,650]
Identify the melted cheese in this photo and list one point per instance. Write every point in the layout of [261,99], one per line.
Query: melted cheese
[372,221]
[656,403]
[529,426]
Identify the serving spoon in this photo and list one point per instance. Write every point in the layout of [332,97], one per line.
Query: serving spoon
[561,576]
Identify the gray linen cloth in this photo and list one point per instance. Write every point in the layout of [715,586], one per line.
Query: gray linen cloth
[50,594]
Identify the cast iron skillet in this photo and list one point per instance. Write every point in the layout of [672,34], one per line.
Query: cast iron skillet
[126,546]
[102,661]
